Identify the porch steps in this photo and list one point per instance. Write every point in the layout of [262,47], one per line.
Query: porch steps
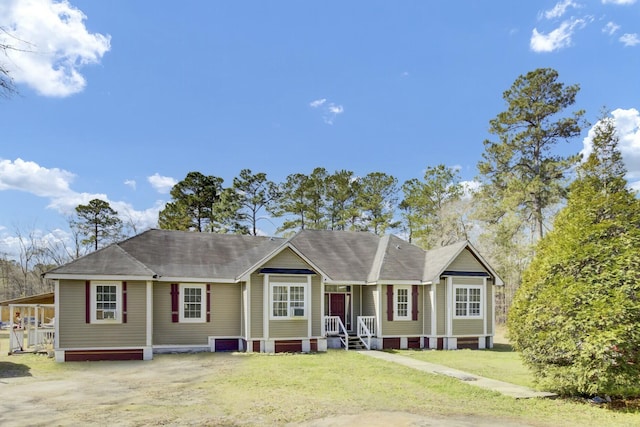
[355,343]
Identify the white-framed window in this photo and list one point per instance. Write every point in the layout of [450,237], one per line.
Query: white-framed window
[193,306]
[288,300]
[106,302]
[468,301]
[402,302]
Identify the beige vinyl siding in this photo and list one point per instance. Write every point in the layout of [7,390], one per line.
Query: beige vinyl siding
[464,327]
[401,327]
[469,326]
[286,259]
[225,317]
[291,328]
[226,312]
[74,332]
[316,306]
[257,310]
[441,307]
[368,301]
[465,262]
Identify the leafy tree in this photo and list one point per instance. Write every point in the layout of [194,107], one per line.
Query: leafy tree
[193,203]
[341,195]
[174,216]
[98,223]
[575,318]
[519,171]
[427,207]
[255,193]
[227,214]
[316,195]
[293,202]
[376,200]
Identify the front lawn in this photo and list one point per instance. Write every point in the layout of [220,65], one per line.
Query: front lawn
[259,389]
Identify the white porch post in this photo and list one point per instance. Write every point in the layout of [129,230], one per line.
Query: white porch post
[323,328]
[148,351]
[309,303]
[59,355]
[449,297]
[266,308]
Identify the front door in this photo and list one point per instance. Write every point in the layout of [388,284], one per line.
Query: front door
[337,307]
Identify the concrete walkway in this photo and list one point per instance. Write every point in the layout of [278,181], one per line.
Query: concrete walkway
[508,389]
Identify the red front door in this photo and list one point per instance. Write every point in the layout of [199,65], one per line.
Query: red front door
[337,307]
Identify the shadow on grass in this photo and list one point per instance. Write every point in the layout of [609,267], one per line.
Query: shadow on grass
[12,370]
[502,348]
[497,348]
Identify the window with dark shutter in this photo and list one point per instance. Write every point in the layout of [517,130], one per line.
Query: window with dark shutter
[175,304]
[414,302]
[389,303]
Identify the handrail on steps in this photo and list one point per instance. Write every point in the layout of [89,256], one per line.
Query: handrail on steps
[364,331]
[334,326]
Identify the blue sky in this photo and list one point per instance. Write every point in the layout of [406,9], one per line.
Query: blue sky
[119,99]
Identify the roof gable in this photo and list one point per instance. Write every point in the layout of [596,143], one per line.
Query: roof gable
[341,255]
[109,261]
[461,256]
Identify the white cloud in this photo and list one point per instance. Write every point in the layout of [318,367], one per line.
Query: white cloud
[335,109]
[610,28]
[130,183]
[630,39]
[162,184]
[556,39]
[52,45]
[329,110]
[619,2]
[54,185]
[627,123]
[30,177]
[559,9]
[317,103]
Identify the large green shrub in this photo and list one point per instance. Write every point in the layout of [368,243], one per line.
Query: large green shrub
[576,317]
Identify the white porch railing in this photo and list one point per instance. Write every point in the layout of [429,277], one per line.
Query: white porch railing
[333,326]
[366,329]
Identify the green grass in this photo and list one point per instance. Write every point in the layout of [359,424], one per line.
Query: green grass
[258,389]
[500,363]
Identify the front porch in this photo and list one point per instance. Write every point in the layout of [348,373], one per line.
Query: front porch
[363,338]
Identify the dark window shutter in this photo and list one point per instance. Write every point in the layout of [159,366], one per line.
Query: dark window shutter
[389,303]
[208,302]
[124,302]
[414,302]
[175,306]
[87,300]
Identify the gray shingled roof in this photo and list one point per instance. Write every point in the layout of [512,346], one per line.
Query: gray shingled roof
[339,255]
[198,255]
[109,261]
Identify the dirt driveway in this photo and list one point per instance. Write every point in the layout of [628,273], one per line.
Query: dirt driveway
[169,390]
